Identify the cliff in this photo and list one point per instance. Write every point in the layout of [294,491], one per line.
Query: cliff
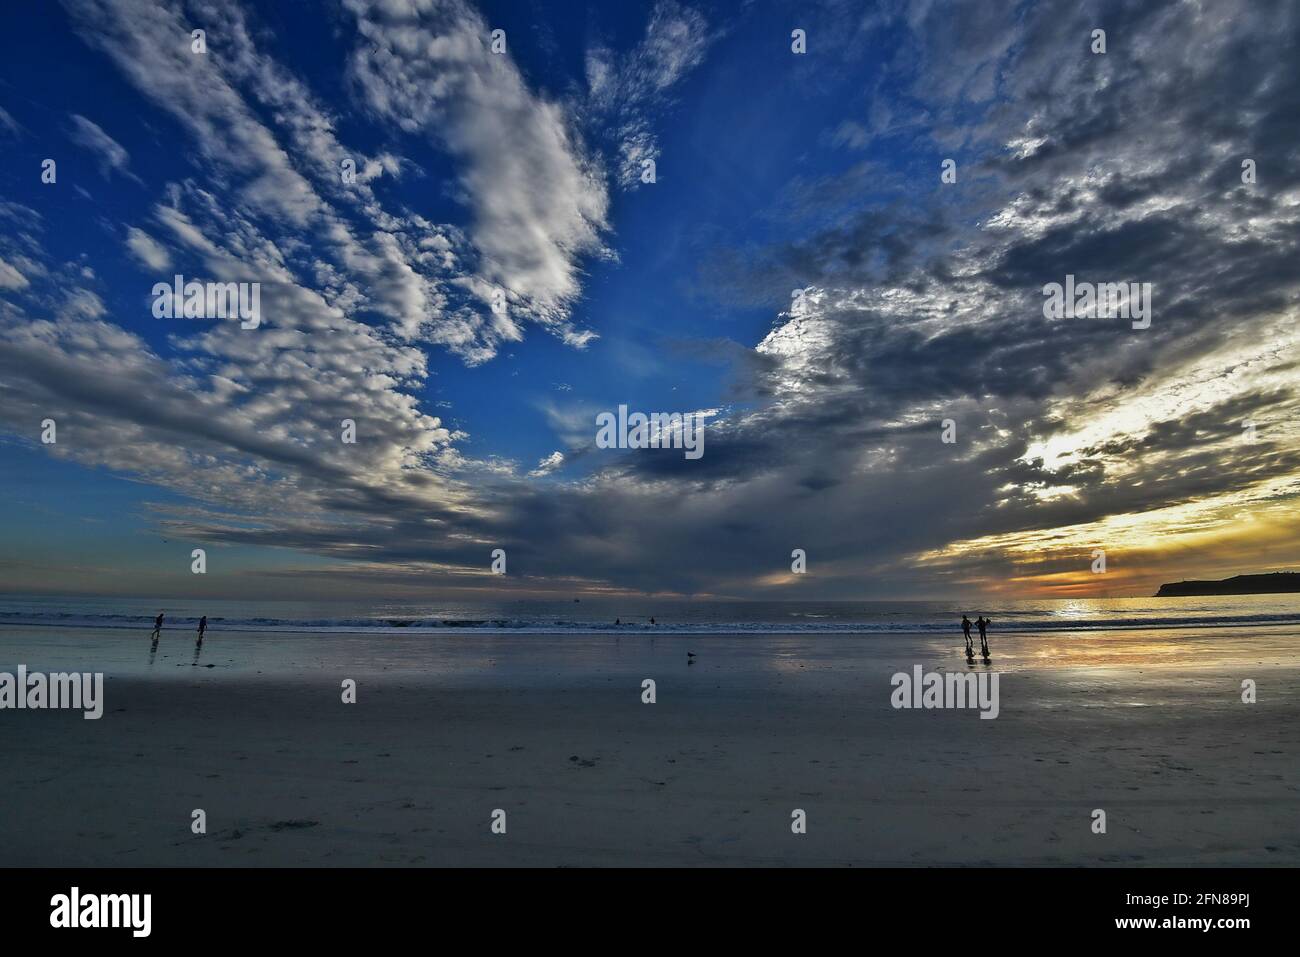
[1276,583]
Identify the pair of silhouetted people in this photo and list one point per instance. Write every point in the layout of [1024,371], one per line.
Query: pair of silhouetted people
[158,623]
[982,624]
[157,633]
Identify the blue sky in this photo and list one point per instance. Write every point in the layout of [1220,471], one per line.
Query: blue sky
[520,172]
[716,187]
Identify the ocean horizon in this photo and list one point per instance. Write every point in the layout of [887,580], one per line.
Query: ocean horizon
[671,616]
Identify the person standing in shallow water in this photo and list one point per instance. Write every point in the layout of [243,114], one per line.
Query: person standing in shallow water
[983,624]
[965,629]
[203,626]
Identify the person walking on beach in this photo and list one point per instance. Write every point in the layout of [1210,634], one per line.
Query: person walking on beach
[203,626]
[154,636]
[965,628]
[983,623]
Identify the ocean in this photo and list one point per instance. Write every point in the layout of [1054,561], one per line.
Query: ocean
[672,616]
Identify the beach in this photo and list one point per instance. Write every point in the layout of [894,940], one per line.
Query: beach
[552,729]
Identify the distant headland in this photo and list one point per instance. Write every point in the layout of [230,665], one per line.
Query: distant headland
[1275,583]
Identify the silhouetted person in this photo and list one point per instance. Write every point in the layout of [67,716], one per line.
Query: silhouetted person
[652,621]
[203,626]
[965,628]
[983,623]
[154,636]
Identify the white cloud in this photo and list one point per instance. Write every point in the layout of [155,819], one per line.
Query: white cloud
[629,88]
[147,250]
[538,203]
[112,156]
[11,278]
[150,43]
[8,122]
[548,465]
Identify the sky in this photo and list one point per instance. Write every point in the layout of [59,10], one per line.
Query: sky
[743,211]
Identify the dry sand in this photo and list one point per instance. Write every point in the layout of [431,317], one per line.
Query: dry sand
[552,729]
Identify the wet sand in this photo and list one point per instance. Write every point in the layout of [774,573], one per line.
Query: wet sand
[1149,727]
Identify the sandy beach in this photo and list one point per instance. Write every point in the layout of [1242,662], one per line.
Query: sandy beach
[552,730]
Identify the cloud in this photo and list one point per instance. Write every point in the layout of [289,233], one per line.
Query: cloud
[1072,433]
[113,158]
[920,303]
[628,90]
[249,423]
[8,122]
[548,465]
[150,44]
[539,206]
[11,278]
[147,250]
[538,202]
